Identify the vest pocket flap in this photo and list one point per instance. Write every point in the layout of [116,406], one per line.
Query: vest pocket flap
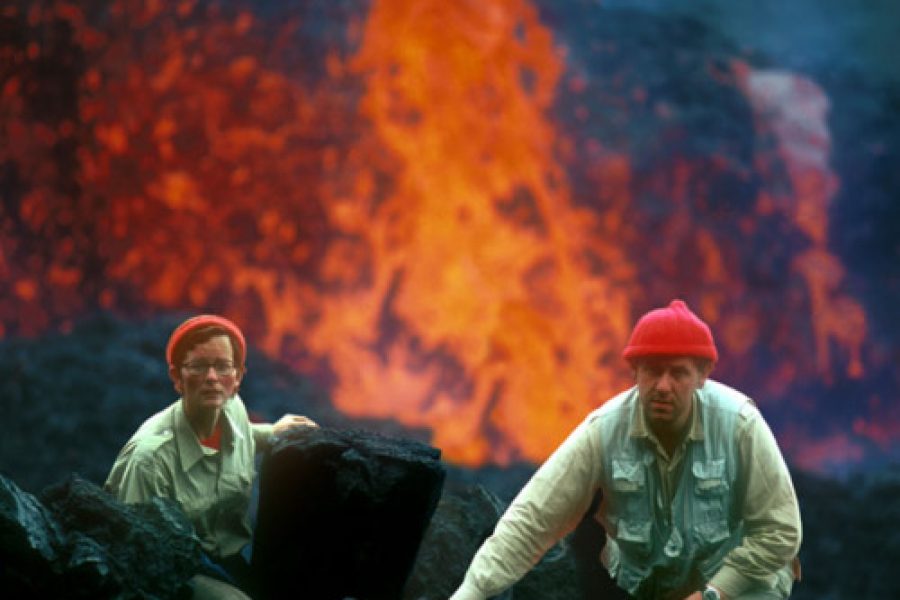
[634,531]
[627,475]
[712,532]
[710,476]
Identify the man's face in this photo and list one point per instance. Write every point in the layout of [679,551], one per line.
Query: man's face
[207,377]
[666,386]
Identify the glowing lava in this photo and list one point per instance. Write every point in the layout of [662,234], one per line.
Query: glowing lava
[392,208]
[483,319]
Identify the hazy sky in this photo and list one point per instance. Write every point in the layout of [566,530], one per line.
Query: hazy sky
[803,34]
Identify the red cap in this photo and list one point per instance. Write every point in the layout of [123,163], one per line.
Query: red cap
[671,331]
[203,321]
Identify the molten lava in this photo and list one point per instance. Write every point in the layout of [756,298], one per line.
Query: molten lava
[390,205]
[483,319]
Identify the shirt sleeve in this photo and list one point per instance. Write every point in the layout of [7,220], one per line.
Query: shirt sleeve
[262,435]
[262,432]
[771,513]
[549,506]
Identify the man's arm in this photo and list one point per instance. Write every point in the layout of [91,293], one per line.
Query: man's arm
[771,513]
[549,506]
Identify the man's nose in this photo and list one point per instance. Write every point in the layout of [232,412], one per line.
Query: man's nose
[211,372]
[664,384]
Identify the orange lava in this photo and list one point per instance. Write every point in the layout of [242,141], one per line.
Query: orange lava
[399,215]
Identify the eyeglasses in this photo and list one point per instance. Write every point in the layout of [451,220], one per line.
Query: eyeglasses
[223,368]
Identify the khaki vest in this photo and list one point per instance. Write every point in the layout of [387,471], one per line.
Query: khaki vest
[661,550]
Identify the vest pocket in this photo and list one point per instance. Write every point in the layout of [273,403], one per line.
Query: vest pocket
[712,532]
[632,506]
[711,494]
[629,490]
[631,577]
[628,476]
[633,536]
[710,477]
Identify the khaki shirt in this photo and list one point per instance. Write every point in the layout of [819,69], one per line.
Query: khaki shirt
[164,458]
[556,498]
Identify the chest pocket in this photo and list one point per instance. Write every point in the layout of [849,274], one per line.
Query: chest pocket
[234,493]
[235,483]
[631,505]
[711,500]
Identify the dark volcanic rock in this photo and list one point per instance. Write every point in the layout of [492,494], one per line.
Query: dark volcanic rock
[467,515]
[144,550]
[463,519]
[29,542]
[82,543]
[343,513]
[851,536]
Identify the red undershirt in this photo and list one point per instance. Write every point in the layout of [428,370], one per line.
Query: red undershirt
[214,441]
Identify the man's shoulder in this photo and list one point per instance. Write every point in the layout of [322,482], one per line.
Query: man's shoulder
[621,401]
[619,407]
[721,397]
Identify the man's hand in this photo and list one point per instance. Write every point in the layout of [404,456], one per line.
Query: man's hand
[288,422]
[699,595]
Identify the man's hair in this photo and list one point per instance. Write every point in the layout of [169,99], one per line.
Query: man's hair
[704,365]
[201,334]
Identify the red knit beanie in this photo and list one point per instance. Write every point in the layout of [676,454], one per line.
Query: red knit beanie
[671,331]
[203,321]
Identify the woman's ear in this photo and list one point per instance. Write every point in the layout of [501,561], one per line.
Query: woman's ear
[175,376]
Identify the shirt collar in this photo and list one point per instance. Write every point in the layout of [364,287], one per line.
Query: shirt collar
[696,432]
[189,449]
[638,427]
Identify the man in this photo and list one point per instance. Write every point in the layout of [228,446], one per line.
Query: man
[697,501]
[200,450]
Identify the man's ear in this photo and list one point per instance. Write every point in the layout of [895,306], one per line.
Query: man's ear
[175,376]
[704,372]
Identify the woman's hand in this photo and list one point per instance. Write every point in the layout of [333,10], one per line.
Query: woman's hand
[288,422]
